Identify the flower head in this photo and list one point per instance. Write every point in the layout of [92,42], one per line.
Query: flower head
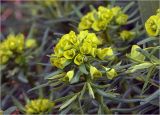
[39,106]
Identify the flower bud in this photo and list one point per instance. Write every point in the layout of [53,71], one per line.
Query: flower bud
[111,74]
[136,54]
[30,43]
[95,73]
[69,75]
[126,35]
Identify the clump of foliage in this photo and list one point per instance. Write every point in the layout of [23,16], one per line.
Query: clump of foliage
[100,65]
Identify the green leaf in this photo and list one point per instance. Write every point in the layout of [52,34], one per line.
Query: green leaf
[100,110]
[90,90]
[8,111]
[65,111]
[55,83]
[82,68]
[39,86]
[147,40]
[67,103]
[144,52]
[153,96]
[75,79]
[128,6]
[140,66]
[53,73]
[100,86]
[64,98]
[111,97]
[82,92]
[149,74]
[18,104]
[57,76]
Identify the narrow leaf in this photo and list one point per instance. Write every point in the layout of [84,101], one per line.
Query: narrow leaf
[39,86]
[82,68]
[67,103]
[90,90]
[54,73]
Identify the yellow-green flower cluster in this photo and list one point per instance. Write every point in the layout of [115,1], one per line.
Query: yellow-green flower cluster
[11,46]
[77,48]
[152,25]
[39,106]
[99,20]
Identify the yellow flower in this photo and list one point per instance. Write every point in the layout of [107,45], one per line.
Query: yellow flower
[72,37]
[152,25]
[92,39]
[135,54]
[126,35]
[99,25]
[39,106]
[3,59]
[69,75]
[69,54]
[111,74]
[58,62]
[95,73]
[79,59]
[105,14]
[86,21]
[85,48]
[102,53]
[121,19]
[93,52]
[158,12]
[58,51]
[116,10]
[82,35]
[30,43]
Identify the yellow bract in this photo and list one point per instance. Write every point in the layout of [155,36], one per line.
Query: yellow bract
[95,73]
[79,59]
[39,106]
[69,54]
[152,25]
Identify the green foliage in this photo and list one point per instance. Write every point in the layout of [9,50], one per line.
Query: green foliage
[85,58]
